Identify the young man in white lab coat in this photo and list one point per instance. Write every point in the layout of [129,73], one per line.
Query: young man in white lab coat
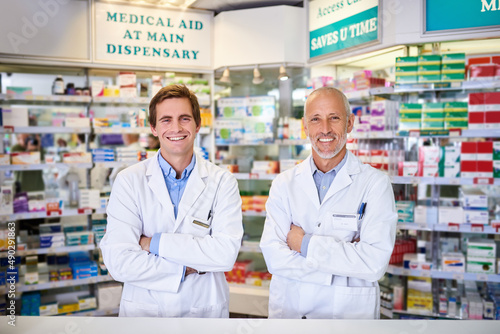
[174,221]
[330,225]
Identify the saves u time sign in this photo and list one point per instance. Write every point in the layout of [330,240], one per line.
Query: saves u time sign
[352,31]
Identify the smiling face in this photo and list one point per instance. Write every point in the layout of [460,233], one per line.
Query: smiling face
[176,128]
[326,124]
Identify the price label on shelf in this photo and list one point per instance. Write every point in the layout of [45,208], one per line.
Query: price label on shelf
[253,176]
[55,213]
[406,272]
[414,133]
[29,97]
[482,277]
[415,180]
[425,273]
[458,276]
[477,228]
[85,211]
[452,227]
[455,180]
[8,129]
[483,180]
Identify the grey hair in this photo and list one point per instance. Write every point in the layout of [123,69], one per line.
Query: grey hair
[331,90]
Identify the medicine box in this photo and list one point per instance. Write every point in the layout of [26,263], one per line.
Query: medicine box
[453,58]
[473,198]
[481,248]
[454,262]
[48,309]
[481,265]
[429,60]
[496,150]
[25,158]
[406,61]
[476,217]
[448,214]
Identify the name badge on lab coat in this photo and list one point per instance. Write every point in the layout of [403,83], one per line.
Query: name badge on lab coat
[345,221]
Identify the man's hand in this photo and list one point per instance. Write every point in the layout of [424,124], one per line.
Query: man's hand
[294,237]
[144,242]
[190,271]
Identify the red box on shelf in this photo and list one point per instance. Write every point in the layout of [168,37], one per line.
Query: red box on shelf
[468,169]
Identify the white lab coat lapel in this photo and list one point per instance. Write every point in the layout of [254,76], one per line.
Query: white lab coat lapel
[194,187]
[304,175]
[156,183]
[343,178]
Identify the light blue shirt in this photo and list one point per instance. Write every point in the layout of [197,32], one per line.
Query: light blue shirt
[175,190]
[323,182]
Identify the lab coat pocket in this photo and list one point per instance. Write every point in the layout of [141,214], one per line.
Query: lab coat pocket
[197,227]
[134,309]
[213,311]
[355,302]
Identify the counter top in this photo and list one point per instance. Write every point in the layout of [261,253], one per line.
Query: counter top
[94,325]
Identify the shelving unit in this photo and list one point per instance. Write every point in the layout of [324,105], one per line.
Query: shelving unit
[44,166]
[20,287]
[44,129]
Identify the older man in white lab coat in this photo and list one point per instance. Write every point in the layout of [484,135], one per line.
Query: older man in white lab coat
[174,221]
[330,225]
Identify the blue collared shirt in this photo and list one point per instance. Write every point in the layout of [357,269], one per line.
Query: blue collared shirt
[323,182]
[175,190]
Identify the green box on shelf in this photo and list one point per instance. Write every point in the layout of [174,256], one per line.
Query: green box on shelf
[456,123]
[453,77]
[453,58]
[496,150]
[429,77]
[429,60]
[410,116]
[432,115]
[409,124]
[429,69]
[496,169]
[406,70]
[456,114]
[406,79]
[456,106]
[432,125]
[410,107]
[433,106]
[453,68]
[406,61]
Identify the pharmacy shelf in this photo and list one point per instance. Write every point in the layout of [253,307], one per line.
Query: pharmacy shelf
[285,142]
[415,226]
[431,315]
[44,166]
[53,250]
[389,134]
[205,130]
[254,176]
[372,135]
[467,228]
[443,180]
[386,312]
[46,99]
[44,129]
[248,299]
[120,130]
[395,270]
[43,214]
[61,284]
[115,164]
[250,247]
[252,213]
[94,313]
[121,100]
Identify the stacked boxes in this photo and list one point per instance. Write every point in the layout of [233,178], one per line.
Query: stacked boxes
[419,299]
[429,68]
[477,159]
[433,116]
[492,110]
[405,211]
[453,262]
[477,111]
[456,115]
[410,116]
[453,67]
[449,165]
[481,256]
[383,115]
[428,161]
[496,159]
[402,247]
[475,205]
[127,81]
[406,70]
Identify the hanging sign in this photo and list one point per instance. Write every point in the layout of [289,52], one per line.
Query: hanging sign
[341,24]
[445,15]
[152,36]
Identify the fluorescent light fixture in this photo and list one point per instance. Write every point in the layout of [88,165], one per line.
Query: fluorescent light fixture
[225,76]
[257,78]
[283,75]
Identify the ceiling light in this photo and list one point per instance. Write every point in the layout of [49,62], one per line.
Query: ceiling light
[257,78]
[225,76]
[283,75]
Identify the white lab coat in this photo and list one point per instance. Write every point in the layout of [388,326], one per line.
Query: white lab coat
[338,278]
[140,205]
